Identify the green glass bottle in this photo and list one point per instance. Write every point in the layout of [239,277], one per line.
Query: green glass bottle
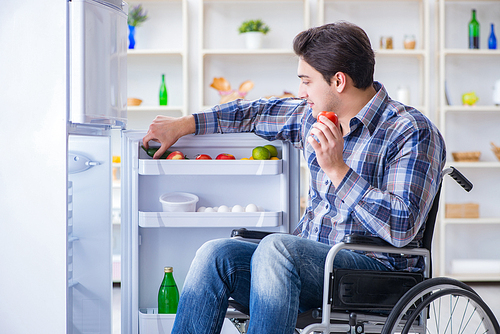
[168,295]
[163,92]
[473,32]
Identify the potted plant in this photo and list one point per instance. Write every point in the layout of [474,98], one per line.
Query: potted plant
[136,17]
[253,31]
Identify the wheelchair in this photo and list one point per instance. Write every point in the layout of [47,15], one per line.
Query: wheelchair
[364,301]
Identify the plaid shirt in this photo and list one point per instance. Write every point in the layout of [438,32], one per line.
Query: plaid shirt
[395,155]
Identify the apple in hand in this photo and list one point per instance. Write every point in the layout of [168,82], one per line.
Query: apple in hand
[203,157]
[175,155]
[330,115]
[225,156]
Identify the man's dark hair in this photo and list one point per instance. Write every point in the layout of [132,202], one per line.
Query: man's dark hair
[338,47]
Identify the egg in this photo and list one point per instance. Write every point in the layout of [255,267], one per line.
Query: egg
[251,208]
[238,208]
[210,210]
[201,209]
[223,208]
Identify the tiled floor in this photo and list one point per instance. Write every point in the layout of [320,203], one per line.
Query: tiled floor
[489,292]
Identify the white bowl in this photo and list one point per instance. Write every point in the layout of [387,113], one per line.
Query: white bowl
[178,202]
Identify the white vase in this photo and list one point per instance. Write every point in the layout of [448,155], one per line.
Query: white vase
[253,39]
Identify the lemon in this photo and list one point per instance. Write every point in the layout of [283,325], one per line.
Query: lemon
[272,149]
[261,153]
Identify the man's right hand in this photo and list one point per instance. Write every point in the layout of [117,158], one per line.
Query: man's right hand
[167,130]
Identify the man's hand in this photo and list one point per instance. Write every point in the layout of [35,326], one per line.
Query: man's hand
[167,130]
[329,149]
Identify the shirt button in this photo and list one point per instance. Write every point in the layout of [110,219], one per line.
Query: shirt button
[327,182]
[316,229]
[327,206]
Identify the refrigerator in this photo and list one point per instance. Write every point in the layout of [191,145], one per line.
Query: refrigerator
[150,238]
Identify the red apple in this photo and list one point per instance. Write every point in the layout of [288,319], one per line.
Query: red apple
[330,115]
[203,157]
[175,155]
[225,156]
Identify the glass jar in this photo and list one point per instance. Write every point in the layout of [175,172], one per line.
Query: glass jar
[409,42]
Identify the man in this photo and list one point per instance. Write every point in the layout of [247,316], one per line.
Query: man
[374,174]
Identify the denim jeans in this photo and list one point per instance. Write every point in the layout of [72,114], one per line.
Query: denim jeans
[275,279]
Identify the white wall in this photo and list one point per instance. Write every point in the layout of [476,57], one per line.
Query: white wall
[33,166]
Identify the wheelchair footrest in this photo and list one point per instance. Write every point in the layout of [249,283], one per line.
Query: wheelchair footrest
[368,289]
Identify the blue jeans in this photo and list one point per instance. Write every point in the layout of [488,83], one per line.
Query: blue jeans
[275,279]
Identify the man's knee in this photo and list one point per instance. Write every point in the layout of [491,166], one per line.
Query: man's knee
[215,248]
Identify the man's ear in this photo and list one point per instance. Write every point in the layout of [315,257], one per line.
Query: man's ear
[339,82]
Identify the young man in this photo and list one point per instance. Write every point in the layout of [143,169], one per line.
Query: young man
[376,173]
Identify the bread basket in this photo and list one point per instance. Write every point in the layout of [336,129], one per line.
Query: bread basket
[466,156]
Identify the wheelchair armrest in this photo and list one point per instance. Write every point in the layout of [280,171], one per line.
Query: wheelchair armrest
[356,239]
[248,234]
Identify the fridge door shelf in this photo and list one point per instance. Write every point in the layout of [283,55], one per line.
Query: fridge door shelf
[210,167]
[210,219]
[152,322]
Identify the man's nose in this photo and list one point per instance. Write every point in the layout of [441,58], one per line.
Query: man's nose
[302,92]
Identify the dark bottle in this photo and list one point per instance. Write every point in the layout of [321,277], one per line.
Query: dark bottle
[163,92]
[168,295]
[492,41]
[473,32]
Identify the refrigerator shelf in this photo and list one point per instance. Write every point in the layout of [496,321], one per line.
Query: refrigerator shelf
[210,219]
[152,322]
[210,167]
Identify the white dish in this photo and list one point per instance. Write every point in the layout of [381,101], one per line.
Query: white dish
[178,202]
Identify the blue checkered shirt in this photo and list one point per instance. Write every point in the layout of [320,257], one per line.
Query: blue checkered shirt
[395,154]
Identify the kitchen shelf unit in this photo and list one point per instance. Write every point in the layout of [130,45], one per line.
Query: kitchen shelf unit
[227,57]
[398,66]
[465,251]
[165,52]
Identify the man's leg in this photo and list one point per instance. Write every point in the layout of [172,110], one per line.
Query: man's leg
[287,278]
[220,269]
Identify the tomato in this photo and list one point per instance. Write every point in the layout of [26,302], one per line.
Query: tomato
[225,156]
[330,115]
[203,157]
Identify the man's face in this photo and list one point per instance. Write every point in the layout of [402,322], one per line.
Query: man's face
[319,94]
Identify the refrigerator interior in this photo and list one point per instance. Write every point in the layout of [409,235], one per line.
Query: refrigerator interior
[153,239]
[89,234]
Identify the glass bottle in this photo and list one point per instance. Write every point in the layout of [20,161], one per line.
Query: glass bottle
[168,294]
[492,41]
[163,92]
[473,32]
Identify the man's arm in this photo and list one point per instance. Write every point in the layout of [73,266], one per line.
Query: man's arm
[270,119]
[167,130]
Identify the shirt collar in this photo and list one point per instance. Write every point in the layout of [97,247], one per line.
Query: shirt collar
[370,115]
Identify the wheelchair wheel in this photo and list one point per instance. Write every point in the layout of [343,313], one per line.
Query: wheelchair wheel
[441,305]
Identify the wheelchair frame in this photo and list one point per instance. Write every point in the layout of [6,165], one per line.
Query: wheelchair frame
[413,310]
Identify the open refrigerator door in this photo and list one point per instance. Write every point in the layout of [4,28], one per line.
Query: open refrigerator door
[153,239]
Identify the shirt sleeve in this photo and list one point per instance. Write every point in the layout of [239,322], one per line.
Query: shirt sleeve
[272,119]
[396,209]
